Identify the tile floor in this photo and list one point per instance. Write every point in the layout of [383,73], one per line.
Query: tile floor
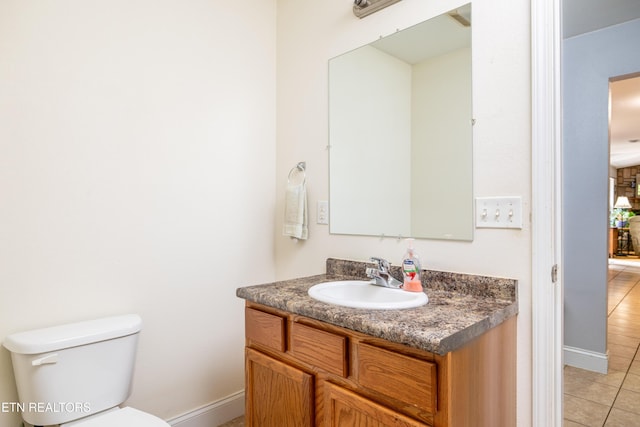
[612,399]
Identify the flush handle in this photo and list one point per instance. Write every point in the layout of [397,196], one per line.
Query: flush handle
[49,359]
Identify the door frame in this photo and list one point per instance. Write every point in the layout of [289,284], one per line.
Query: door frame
[546,162]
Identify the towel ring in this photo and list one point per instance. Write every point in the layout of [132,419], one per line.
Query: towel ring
[299,168]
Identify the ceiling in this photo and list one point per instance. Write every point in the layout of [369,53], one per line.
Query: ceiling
[583,16]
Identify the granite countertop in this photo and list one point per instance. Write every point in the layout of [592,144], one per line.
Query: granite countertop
[461,307]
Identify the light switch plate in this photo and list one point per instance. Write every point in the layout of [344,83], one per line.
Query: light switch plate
[323,212]
[499,212]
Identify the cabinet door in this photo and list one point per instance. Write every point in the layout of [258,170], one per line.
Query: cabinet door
[277,395]
[343,408]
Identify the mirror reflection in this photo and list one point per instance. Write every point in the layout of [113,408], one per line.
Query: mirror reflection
[400,133]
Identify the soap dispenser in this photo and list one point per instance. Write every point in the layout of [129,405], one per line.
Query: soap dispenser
[411,269]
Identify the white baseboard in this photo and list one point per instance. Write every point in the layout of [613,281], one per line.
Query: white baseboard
[213,414]
[585,359]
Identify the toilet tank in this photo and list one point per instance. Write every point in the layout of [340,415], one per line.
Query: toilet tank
[71,371]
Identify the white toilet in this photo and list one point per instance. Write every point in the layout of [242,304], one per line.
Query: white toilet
[77,374]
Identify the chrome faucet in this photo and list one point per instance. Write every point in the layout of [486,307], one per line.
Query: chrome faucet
[381,275]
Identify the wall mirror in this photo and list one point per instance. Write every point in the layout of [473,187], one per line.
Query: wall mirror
[400,118]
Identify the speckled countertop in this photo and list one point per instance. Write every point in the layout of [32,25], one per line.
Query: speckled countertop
[461,306]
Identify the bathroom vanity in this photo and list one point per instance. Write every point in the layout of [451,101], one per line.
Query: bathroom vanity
[451,362]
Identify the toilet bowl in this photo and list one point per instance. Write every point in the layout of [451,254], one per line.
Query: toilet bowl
[121,417]
[79,373]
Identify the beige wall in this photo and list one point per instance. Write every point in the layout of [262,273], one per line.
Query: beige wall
[137,162]
[309,33]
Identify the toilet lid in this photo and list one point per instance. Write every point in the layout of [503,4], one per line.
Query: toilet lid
[125,417]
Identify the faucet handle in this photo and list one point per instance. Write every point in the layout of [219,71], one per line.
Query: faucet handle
[383,264]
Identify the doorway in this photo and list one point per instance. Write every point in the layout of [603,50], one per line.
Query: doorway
[612,398]
[624,170]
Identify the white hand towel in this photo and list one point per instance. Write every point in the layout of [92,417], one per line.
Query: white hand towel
[295,212]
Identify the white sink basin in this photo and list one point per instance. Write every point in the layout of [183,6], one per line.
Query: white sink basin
[362,294]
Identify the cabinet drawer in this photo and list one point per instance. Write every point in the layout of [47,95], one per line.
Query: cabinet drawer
[344,408]
[265,328]
[395,375]
[319,348]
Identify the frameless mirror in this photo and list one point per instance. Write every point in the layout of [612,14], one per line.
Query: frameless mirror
[400,118]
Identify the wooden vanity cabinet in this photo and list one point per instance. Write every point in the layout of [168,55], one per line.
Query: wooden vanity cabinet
[302,372]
